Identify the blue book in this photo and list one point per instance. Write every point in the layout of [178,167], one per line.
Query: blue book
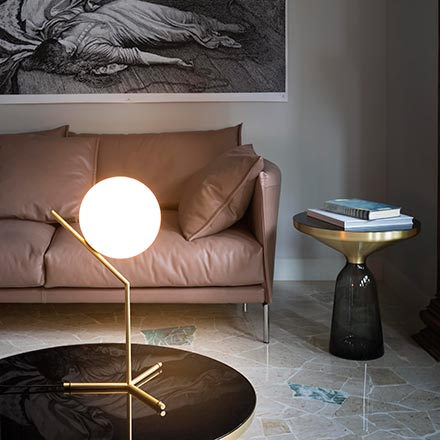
[363,209]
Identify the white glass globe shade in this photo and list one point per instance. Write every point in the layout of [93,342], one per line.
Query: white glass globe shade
[119,217]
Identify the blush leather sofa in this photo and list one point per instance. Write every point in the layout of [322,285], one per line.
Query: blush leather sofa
[229,259]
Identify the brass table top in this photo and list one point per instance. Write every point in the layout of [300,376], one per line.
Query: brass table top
[356,246]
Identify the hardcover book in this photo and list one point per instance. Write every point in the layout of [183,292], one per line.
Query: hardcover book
[355,224]
[363,209]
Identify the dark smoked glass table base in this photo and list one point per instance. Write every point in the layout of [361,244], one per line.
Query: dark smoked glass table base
[356,330]
[205,399]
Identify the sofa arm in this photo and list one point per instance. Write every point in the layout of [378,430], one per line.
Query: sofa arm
[263,216]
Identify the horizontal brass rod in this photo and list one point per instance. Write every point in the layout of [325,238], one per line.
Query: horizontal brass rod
[96,386]
[90,392]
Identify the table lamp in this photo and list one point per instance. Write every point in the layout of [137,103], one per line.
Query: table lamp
[119,218]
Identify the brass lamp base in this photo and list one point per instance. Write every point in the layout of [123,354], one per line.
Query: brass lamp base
[130,386]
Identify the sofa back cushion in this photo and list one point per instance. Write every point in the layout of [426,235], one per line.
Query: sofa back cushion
[163,161]
[41,173]
[218,195]
[58,132]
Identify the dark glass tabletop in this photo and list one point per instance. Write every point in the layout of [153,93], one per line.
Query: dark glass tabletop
[306,220]
[205,399]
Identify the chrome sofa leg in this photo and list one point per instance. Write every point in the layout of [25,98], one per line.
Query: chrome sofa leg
[245,307]
[266,323]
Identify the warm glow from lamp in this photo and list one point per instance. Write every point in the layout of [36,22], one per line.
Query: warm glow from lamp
[119,217]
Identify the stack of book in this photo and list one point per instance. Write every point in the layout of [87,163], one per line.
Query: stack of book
[362,215]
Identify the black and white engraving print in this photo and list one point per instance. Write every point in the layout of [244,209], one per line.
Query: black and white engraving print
[74,47]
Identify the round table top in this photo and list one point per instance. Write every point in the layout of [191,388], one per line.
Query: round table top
[356,246]
[324,230]
[205,399]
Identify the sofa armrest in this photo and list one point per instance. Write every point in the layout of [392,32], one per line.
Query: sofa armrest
[263,216]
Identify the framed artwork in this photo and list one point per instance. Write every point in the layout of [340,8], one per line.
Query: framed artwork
[134,50]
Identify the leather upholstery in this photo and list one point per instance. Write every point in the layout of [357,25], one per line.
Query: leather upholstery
[163,161]
[42,173]
[218,195]
[58,132]
[263,218]
[23,244]
[230,258]
[178,295]
[232,266]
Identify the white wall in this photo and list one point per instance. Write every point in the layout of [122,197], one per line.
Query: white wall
[336,140]
[410,268]
[329,139]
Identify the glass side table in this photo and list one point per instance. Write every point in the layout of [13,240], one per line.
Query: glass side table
[356,330]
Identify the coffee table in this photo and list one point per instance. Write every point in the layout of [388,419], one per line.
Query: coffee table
[205,399]
[356,331]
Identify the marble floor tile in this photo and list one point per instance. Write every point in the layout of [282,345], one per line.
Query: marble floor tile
[312,427]
[384,376]
[391,393]
[422,400]
[318,393]
[435,417]
[182,335]
[394,397]
[273,427]
[325,380]
[417,421]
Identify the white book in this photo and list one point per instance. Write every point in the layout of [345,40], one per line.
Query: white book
[356,224]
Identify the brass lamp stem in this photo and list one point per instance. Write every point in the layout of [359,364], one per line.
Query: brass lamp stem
[127,333]
[131,386]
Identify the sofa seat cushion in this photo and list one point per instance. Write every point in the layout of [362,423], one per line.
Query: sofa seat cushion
[23,244]
[230,258]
